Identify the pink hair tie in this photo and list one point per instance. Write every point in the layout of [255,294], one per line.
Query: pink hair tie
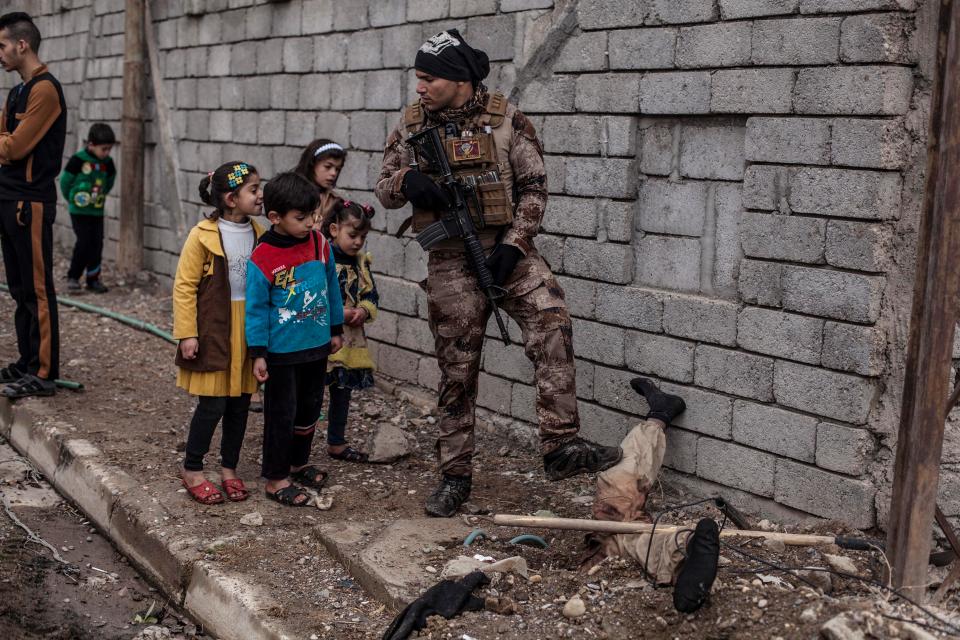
[209,174]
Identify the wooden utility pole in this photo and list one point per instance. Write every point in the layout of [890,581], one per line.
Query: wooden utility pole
[130,253]
[934,315]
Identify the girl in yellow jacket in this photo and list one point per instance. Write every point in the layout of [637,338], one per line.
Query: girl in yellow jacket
[208,320]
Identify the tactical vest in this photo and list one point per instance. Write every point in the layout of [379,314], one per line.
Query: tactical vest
[482,147]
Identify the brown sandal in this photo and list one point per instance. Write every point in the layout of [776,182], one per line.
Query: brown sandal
[236,490]
[205,493]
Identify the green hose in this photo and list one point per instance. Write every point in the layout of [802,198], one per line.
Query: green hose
[119,317]
[69,384]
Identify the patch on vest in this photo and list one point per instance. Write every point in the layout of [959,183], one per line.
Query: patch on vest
[466,149]
[438,43]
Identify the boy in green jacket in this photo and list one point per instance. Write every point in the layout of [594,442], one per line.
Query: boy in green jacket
[85,183]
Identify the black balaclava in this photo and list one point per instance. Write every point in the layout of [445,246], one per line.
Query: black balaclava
[447,55]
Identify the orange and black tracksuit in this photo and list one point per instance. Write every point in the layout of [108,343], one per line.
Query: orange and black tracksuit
[33,129]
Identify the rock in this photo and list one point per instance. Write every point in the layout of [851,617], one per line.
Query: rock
[502,605]
[765,525]
[474,509]
[762,604]
[821,579]
[913,632]
[544,513]
[724,561]
[462,565]
[389,443]
[153,632]
[535,578]
[775,545]
[843,564]
[371,410]
[254,519]
[841,627]
[574,608]
[585,500]
[324,503]
[808,615]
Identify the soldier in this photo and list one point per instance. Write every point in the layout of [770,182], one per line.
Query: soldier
[492,145]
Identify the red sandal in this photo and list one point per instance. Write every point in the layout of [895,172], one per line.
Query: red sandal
[236,490]
[205,493]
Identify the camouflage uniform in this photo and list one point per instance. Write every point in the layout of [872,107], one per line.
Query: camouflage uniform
[459,311]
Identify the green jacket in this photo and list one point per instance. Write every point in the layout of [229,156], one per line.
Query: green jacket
[85,183]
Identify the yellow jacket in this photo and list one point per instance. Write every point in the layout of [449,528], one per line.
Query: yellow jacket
[201,297]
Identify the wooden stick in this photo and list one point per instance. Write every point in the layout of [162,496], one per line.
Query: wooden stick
[130,247]
[608,526]
[933,318]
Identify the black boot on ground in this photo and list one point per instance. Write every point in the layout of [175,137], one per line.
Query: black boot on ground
[699,570]
[576,456]
[663,406]
[447,498]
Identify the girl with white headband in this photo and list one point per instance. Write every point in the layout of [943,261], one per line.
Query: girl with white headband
[321,163]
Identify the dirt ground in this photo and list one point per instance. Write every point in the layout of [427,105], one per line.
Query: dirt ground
[97,596]
[133,412]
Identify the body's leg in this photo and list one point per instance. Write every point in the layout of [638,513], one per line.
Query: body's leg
[622,489]
[208,413]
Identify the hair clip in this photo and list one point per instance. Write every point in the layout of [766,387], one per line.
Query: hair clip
[210,174]
[368,210]
[235,177]
[330,146]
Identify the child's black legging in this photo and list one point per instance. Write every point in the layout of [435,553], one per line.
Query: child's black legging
[88,250]
[337,416]
[208,413]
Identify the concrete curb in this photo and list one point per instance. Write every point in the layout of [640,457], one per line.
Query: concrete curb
[227,605]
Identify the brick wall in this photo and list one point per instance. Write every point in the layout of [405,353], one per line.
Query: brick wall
[735,188]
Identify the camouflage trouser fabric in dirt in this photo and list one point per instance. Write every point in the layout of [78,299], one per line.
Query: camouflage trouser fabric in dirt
[458,317]
[622,495]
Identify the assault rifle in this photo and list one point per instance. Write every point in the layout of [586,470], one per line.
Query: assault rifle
[456,221]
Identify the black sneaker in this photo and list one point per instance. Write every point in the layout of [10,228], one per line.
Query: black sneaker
[96,286]
[699,569]
[9,374]
[73,284]
[663,406]
[29,385]
[576,456]
[447,498]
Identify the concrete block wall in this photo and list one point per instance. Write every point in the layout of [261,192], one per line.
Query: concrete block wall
[734,193]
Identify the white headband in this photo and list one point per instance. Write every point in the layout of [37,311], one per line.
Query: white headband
[327,147]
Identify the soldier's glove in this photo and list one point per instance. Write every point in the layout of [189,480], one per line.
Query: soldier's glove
[424,193]
[502,262]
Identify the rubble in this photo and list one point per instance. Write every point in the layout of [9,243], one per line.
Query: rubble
[388,444]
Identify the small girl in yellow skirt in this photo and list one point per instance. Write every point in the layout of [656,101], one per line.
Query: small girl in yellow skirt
[351,369]
[208,320]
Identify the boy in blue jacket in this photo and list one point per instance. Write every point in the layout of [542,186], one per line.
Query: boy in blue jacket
[294,320]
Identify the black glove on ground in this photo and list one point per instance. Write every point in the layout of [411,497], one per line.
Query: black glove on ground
[424,193]
[502,262]
[446,598]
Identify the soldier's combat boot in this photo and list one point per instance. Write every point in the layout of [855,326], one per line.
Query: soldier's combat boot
[447,498]
[699,568]
[663,406]
[576,456]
